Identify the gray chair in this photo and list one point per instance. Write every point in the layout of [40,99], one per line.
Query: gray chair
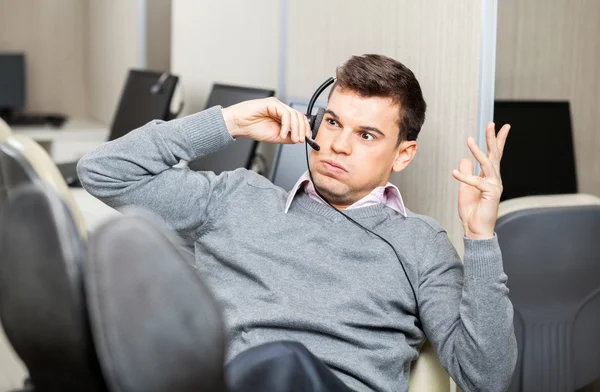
[5,133]
[551,251]
[42,304]
[132,295]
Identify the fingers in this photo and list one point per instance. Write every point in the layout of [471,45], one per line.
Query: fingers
[308,132]
[286,120]
[295,132]
[495,142]
[294,125]
[473,180]
[302,126]
[490,139]
[502,135]
[484,161]
[466,167]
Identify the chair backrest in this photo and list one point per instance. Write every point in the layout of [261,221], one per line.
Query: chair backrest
[146,96]
[5,133]
[23,161]
[240,153]
[551,253]
[426,373]
[42,306]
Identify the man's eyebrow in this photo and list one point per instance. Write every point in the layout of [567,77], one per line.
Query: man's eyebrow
[364,127]
[331,112]
[372,129]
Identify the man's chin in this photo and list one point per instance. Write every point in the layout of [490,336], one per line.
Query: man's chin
[332,189]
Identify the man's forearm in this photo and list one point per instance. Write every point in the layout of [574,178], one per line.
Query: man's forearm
[148,151]
[487,317]
[470,324]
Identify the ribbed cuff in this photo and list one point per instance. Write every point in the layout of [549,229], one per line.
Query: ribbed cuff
[483,258]
[206,131]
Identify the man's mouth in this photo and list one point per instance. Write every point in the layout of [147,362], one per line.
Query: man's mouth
[334,166]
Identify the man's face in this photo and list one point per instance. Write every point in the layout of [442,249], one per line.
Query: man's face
[359,147]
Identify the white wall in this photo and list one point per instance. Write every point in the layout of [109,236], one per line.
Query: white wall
[234,41]
[158,35]
[113,48]
[551,50]
[53,35]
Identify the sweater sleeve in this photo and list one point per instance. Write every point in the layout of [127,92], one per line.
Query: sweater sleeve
[138,170]
[466,313]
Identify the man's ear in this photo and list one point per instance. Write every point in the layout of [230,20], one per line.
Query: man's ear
[405,153]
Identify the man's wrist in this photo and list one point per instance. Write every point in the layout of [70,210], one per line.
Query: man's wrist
[479,236]
[230,123]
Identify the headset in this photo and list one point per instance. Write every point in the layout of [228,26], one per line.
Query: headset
[315,122]
[158,88]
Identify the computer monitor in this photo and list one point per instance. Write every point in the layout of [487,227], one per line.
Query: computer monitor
[12,82]
[539,156]
[290,159]
[241,152]
[145,97]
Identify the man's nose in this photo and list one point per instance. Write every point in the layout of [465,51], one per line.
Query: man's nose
[342,143]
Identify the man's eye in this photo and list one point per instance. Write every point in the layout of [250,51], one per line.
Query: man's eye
[366,136]
[331,121]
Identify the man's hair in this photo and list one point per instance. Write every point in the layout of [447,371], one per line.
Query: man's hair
[373,75]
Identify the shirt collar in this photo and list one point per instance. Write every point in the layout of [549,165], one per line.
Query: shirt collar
[388,194]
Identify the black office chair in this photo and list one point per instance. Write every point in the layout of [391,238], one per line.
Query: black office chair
[130,315]
[551,251]
[42,305]
[146,96]
[242,152]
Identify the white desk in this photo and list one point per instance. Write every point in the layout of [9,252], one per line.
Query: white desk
[93,210]
[69,142]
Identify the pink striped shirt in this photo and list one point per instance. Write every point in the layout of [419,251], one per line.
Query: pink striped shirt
[388,194]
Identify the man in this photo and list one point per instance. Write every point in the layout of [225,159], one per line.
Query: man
[287,267]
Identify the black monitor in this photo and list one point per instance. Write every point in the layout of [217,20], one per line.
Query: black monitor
[539,156]
[12,82]
[146,96]
[289,163]
[241,152]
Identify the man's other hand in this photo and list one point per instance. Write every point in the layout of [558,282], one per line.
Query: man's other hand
[479,196]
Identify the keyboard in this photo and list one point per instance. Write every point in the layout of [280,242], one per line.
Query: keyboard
[32,120]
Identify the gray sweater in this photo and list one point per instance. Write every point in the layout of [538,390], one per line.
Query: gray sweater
[310,275]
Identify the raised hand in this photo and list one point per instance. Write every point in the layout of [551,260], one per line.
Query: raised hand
[479,196]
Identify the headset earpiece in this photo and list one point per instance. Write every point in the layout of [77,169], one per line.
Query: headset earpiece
[316,121]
